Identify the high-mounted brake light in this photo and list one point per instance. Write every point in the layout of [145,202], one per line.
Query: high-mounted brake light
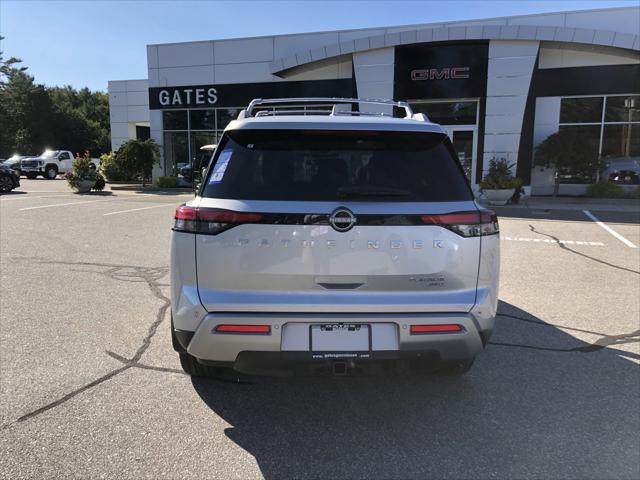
[466,224]
[446,328]
[210,221]
[261,329]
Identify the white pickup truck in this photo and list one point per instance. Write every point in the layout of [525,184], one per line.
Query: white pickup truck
[50,164]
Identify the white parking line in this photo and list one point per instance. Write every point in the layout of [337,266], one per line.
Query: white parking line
[609,229]
[549,241]
[26,197]
[138,209]
[64,204]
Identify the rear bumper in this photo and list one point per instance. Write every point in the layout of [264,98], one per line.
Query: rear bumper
[287,346]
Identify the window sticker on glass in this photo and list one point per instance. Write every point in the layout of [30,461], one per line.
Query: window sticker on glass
[221,166]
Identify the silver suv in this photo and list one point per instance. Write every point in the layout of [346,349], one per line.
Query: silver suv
[332,240]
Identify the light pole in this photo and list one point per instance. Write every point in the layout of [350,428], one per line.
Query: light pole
[629,104]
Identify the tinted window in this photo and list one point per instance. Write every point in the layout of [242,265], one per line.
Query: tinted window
[226,115]
[449,113]
[174,120]
[202,119]
[320,165]
[586,170]
[622,109]
[581,110]
[621,140]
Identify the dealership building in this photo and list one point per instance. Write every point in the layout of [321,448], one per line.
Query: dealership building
[498,86]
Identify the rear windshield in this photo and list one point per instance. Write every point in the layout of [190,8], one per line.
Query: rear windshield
[321,165]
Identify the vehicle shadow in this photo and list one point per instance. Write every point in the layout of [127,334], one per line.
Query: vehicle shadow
[538,403]
[153,191]
[101,193]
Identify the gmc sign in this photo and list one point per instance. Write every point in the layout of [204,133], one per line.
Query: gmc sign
[440,73]
[451,70]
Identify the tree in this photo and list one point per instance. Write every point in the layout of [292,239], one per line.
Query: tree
[568,150]
[34,117]
[137,157]
[82,119]
[25,116]
[7,69]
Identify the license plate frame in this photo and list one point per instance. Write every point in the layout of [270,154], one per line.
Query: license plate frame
[340,337]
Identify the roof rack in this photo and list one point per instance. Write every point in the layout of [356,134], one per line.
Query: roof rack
[302,111]
[256,102]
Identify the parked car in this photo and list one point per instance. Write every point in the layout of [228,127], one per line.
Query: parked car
[199,164]
[332,243]
[9,179]
[14,161]
[50,164]
[622,170]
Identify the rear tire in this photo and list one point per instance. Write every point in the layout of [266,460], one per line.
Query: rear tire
[6,184]
[455,369]
[31,176]
[192,367]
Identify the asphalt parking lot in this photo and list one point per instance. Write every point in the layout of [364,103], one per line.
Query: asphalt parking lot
[90,386]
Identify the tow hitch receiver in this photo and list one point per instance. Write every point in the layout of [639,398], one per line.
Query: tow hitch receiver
[339,368]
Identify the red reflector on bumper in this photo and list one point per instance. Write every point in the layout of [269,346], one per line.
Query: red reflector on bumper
[435,328]
[243,329]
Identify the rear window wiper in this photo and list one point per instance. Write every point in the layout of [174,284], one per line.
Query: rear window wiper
[371,191]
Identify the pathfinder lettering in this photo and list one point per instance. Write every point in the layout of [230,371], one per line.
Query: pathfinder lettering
[331,243]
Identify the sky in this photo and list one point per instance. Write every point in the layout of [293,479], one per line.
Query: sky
[85,43]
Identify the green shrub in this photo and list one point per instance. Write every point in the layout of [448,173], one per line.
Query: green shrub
[605,189]
[137,157]
[81,169]
[112,169]
[499,176]
[167,182]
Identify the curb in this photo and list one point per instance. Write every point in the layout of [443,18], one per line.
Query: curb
[148,188]
[609,205]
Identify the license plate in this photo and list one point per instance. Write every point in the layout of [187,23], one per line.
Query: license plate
[340,338]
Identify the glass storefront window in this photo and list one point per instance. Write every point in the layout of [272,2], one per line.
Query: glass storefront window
[226,115]
[621,140]
[202,119]
[620,162]
[174,119]
[581,110]
[615,142]
[449,113]
[176,152]
[199,158]
[463,145]
[622,109]
[588,135]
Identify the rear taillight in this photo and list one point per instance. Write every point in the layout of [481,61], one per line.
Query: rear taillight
[466,224]
[446,328]
[210,221]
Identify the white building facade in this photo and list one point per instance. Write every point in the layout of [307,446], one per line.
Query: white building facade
[498,86]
